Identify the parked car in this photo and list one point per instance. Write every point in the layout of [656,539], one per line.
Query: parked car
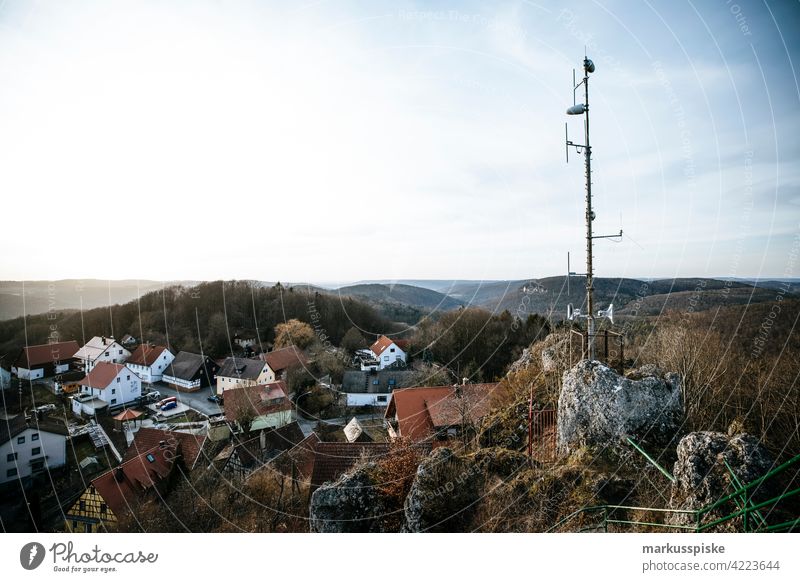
[216,398]
[167,400]
[169,405]
[153,395]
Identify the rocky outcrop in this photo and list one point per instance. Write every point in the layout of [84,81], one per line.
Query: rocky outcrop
[700,472]
[352,504]
[597,406]
[444,494]
[554,353]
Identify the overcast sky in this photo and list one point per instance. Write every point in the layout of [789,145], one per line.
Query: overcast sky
[338,141]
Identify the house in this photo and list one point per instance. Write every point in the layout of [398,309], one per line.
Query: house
[149,362]
[238,372]
[263,405]
[372,388]
[146,438]
[114,384]
[128,340]
[245,338]
[244,457]
[30,447]
[189,372]
[385,352]
[44,360]
[281,361]
[114,493]
[438,413]
[101,349]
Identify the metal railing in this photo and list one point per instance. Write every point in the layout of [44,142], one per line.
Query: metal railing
[741,496]
[609,347]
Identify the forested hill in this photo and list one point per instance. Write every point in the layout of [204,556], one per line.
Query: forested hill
[208,314]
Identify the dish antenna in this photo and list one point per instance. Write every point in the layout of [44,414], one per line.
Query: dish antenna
[586,149]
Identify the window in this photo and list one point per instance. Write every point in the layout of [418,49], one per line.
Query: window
[119,380]
[391,350]
[106,353]
[151,458]
[385,358]
[381,399]
[82,505]
[11,457]
[113,401]
[113,390]
[11,472]
[37,466]
[120,352]
[21,440]
[376,382]
[102,508]
[35,436]
[392,382]
[36,451]
[129,377]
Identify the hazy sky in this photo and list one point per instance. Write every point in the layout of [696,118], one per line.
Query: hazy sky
[367,140]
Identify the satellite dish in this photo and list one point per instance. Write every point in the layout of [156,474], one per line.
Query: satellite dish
[570,312]
[578,109]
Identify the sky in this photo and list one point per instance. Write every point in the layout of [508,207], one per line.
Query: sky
[342,141]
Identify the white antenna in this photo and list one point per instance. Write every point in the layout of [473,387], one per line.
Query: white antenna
[583,109]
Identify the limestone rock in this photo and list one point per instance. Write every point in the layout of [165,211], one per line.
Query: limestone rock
[352,504]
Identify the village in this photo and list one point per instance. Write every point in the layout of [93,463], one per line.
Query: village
[113,421]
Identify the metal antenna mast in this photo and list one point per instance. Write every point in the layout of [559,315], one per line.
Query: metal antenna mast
[583,109]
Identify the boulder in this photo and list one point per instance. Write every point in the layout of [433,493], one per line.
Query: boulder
[598,407]
[444,494]
[700,472]
[351,504]
[555,353]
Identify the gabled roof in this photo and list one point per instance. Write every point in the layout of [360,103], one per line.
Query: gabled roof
[146,438]
[11,427]
[102,375]
[284,358]
[32,356]
[128,414]
[94,347]
[124,486]
[355,433]
[267,444]
[382,343]
[421,411]
[244,368]
[332,460]
[257,400]
[186,365]
[146,355]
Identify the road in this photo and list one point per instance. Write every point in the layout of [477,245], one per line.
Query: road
[197,400]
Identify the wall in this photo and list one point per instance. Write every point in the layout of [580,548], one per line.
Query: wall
[52,449]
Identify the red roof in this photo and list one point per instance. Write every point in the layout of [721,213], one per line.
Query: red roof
[147,438]
[124,487]
[146,355]
[332,460]
[381,344]
[258,400]
[128,414]
[102,375]
[422,411]
[60,352]
[284,358]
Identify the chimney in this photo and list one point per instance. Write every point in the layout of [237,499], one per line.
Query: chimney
[119,475]
[103,339]
[162,444]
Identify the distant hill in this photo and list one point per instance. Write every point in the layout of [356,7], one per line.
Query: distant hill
[401,302]
[71,294]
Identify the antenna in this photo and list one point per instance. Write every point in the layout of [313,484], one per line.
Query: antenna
[586,149]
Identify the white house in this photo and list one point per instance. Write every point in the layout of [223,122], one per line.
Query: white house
[241,372]
[189,372]
[385,352]
[115,384]
[150,362]
[28,448]
[101,349]
[44,360]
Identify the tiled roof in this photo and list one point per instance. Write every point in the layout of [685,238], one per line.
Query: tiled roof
[102,375]
[380,345]
[9,428]
[94,347]
[124,486]
[44,354]
[146,438]
[332,460]
[268,443]
[259,400]
[284,358]
[146,355]
[185,366]
[244,368]
[421,411]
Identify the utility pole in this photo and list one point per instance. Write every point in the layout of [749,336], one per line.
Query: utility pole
[583,109]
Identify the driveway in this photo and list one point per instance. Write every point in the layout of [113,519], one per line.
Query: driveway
[196,400]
